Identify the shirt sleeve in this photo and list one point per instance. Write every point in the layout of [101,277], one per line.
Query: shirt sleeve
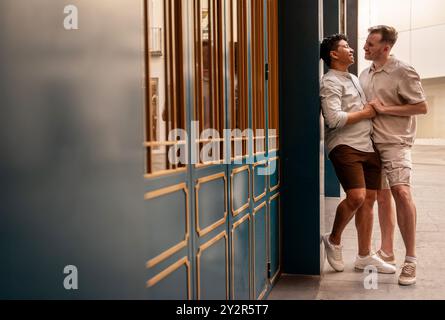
[330,96]
[410,87]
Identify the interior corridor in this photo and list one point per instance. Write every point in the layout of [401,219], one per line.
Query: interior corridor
[428,190]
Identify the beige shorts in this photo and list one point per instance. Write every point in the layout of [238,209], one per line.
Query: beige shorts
[396,164]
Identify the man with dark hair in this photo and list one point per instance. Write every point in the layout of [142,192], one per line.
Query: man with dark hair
[348,140]
[399,97]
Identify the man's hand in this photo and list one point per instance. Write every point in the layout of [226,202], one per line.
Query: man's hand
[405,110]
[378,106]
[369,112]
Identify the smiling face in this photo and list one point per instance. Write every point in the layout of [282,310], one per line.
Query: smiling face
[375,48]
[344,54]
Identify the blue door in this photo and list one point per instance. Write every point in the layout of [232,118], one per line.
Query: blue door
[212,185]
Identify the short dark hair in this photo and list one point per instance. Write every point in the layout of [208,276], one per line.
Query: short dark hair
[389,34]
[330,44]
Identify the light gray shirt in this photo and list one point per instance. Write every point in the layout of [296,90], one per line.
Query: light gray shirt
[340,93]
[395,84]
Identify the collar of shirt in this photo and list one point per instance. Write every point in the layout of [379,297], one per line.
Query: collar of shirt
[387,67]
[341,73]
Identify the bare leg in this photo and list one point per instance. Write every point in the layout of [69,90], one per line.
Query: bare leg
[364,220]
[406,217]
[387,220]
[345,211]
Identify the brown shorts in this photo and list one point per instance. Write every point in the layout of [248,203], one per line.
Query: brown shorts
[356,169]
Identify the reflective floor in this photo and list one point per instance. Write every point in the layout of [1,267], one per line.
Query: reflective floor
[428,190]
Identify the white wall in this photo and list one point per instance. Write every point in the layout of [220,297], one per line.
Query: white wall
[421,27]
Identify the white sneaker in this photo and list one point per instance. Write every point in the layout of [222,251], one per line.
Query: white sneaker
[374,260]
[334,254]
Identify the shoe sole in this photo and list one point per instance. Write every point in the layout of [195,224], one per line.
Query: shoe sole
[393,262]
[379,271]
[407,283]
[337,270]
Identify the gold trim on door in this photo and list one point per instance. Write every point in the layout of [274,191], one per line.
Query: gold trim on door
[234,226]
[164,173]
[273,188]
[258,74]
[161,192]
[273,80]
[246,205]
[215,225]
[262,294]
[204,247]
[254,257]
[257,198]
[214,61]
[169,270]
[275,276]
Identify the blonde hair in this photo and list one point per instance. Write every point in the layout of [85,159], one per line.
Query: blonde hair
[389,34]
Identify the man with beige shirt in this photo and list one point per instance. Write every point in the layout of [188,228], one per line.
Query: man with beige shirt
[348,128]
[398,97]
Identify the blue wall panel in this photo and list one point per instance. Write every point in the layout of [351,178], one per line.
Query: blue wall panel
[71,162]
[212,271]
[260,249]
[274,231]
[173,283]
[168,224]
[300,135]
[240,187]
[240,253]
[211,201]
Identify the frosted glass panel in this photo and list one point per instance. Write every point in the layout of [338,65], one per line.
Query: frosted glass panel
[395,13]
[427,51]
[421,26]
[402,48]
[428,13]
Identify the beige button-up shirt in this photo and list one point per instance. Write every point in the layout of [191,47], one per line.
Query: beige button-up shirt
[340,93]
[396,83]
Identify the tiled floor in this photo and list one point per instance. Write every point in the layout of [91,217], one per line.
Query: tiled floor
[429,194]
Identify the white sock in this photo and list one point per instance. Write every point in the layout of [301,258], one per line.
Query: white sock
[411,259]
